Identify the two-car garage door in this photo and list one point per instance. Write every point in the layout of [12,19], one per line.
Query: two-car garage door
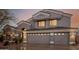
[49,38]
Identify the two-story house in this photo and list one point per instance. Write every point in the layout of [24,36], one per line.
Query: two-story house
[49,27]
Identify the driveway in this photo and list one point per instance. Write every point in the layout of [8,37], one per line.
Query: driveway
[40,47]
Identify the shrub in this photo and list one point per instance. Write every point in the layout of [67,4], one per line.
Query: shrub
[1,38]
[18,40]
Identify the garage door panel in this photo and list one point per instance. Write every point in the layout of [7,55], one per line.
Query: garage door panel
[61,39]
[38,39]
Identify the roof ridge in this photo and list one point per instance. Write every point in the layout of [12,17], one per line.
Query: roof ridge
[56,11]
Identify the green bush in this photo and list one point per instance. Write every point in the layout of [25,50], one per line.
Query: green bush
[18,40]
[1,38]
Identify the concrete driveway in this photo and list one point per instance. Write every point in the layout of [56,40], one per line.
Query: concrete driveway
[41,47]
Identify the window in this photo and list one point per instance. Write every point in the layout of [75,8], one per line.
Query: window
[53,23]
[41,23]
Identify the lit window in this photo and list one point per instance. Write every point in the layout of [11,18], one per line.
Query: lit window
[41,23]
[53,23]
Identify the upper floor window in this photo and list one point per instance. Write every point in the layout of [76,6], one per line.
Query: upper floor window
[53,23]
[41,23]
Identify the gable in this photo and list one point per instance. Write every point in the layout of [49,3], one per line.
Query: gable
[49,14]
[40,15]
[49,11]
[54,14]
[23,22]
[9,27]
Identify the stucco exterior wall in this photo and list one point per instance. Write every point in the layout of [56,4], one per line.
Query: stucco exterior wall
[64,22]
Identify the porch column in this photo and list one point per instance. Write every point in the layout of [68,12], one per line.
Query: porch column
[72,37]
[24,36]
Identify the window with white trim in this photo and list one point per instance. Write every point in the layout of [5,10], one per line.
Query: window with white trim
[53,23]
[41,24]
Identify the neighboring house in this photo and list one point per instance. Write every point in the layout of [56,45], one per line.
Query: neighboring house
[10,31]
[48,27]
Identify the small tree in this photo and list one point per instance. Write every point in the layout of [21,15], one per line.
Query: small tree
[5,17]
